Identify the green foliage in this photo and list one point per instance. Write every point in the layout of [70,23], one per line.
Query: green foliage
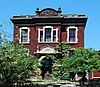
[56,69]
[83,59]
[59,71]
[64,49]
[16,64]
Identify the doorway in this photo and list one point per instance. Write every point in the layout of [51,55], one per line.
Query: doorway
[46,68]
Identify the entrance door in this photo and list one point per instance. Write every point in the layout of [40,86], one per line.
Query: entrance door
[46,68]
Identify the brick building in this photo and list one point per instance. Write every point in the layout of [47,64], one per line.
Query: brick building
[41,33]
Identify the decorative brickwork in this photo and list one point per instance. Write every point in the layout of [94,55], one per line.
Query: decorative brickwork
[49,17]
[48,28]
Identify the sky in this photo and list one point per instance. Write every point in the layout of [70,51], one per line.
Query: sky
[91,8]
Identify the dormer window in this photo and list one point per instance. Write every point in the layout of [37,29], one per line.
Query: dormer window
[48,34]
[72,34]
[24,35]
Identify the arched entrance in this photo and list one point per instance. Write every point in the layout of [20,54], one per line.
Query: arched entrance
[46,61]
[46,67]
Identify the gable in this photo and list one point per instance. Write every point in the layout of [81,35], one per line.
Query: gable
[49,12]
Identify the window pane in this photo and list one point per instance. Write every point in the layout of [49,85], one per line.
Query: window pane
[41,36]
[54,36]
[48,34]
[24,35]
[72,35]
[71,52]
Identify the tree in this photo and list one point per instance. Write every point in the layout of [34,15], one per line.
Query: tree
[83,59]
[64,49]
[58,71]
[16,64]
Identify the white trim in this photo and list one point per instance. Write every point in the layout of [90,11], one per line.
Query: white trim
[56,34]
[76,34]
[44,34]
[93,76]
[20,34]
[39,35]
[51,34]
[47,50]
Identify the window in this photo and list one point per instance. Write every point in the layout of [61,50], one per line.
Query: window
[72,35]
[54,35]
[41,36]
[48,34]
[24,35]
[71,53]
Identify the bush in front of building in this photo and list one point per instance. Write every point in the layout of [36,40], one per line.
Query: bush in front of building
[16,64]
[83,60]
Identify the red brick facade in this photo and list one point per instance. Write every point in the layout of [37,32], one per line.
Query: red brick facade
[62,35]
[53,18]
[94,75]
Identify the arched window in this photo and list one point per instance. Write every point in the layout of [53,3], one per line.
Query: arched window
[24,35]
[72,36]
[48,34]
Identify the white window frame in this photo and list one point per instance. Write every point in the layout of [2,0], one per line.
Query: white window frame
[21,36]
[56,29]
[76,34]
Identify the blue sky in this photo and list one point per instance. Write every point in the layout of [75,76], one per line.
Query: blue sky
[91,8]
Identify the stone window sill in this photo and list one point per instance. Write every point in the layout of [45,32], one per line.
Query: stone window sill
[72,42]
[48,42]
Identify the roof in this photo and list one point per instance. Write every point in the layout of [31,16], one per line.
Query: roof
[60,16]
[49,13]
[55,16]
